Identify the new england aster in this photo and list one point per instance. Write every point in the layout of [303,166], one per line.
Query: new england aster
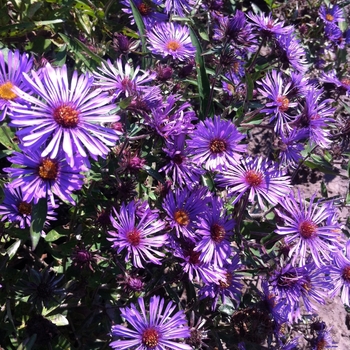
[171,39]
[308,229]
[153,330]
[10,76]
[137,232]
[65,113]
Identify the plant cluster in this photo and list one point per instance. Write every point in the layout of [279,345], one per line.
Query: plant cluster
[139,209]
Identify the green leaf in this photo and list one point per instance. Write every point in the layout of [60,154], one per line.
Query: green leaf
[141,27]
[202,78]
[6,138]
[324,191]
[58,320]
[39,212]
[12,249]
[52,236]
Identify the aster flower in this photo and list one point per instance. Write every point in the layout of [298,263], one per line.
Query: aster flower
[183,208]
[15,209]
[342,84]
[10,76]
[214,231]
[276,91]
[196,269]
[236,30]
[307,230]
[291,53]
[323,340]
[148,11]
[259,178]
[228,287]
[214,143]
[331,14]
[145,100]
[153,330]
[267,26]
[315,117]
[41,177]
[67,115]
[340,274]
[138,235]
[179,7]
[335,36]
[290,148]
[121,80]
[170,120]
[171,39]
[179,167]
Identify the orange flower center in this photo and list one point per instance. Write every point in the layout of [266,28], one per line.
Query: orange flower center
[253,178]
[48,169]
[283,100]
[66,116]
[307,229]
[225,284]
[6,92]
[217,233]
[173,45]
[150,338]
[144,9]
[329,17]
[181,217]
[346,81]
[133,237]
[217,146]
[25,208]
[346,273]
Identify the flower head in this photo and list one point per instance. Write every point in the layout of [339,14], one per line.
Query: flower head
[137,234]
[331,14]
[215,143]
[171,39]
[258,177]
[306,228]
[153,330]
[11,76]
[65,114]
[179,7]
[39,177]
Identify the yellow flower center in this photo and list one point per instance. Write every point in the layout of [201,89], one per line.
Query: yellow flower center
[48,169]
[6,92]
[329,17]
[284,103]
[181,217]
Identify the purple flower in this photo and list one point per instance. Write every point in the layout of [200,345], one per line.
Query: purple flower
[291,53]
[15,209]
[148,11]
[237,30]
[66,114]
[179,7]
[180,167]
[228,287]
[39,176]
[340,274]
[342,84]
[267,26]
[10,76]
[183,208]
[171,39]
[335,35]
[307,230]
[315,116]
[145,100]
[323,340]
[277,92]
[138,234]
[290,147]
[170,120]
[153,330]
[258,178]
[331,15]
[121,80]
[214,231]
[214,143]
